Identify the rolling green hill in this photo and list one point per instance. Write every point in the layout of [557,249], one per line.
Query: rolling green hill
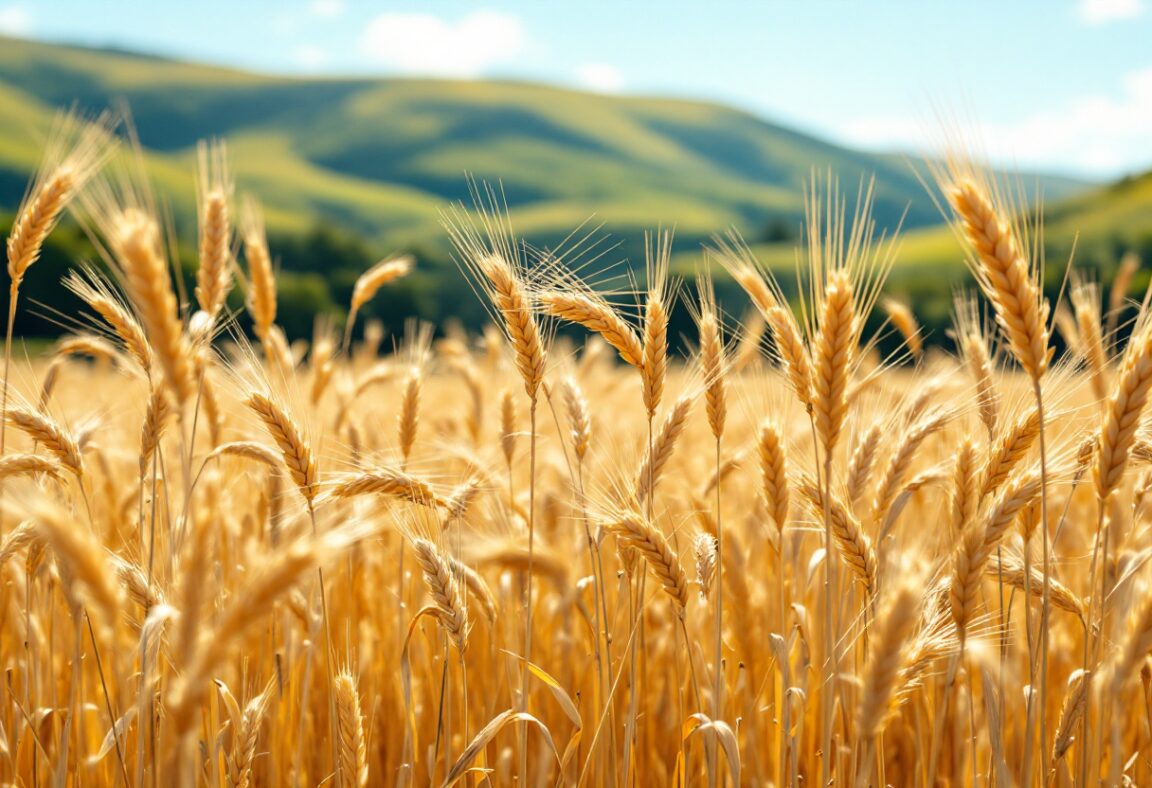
[381,157]
[349,169]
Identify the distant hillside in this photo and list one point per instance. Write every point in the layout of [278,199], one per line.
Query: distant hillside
[380,157]
[1093,229]
[351,169]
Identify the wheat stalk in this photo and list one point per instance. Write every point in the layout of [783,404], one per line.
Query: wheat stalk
[214,275]
[791,349]
[579,418]
[661,448]
[515,307]
[1122,414]
[294,449]
[385,481]
[261,278]
[1004,274]
[650,544]
[353,766]
[1086,306]
[854,546]
[597,315]
[887,661]
[408,420]
[774,475]
[834,353]
[980,539]
[704,549]
[713,364]
[136,242]
[441,584]
[900,315]
[1008,451]
[155,420]
[43,429]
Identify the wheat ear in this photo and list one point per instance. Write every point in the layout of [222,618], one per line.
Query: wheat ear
[834,352]
[442,586]
[750,339]
[853,543]
[269,580]
[654,361]
[74,154]
[249,450]
[900,315]
[965,493]
[653,547]
[214,275]
[704,549]
[862,462]
[1075,700]
[353,762]
[385,481]
[78,551]
[652,466]
[713,364]
[887,660]
[98,295]
[261,277]
[244,739]
[368,284]
[408,420]
[1086,310]
[1005,275]
[980,539]
[137,245]
[1129,265]
[982,369]
[793,353]
[155,420]
[508,433]
[476,586]
[902,458]
[598,316]
[579,419]
[43,429]
[1008,451]
[21,464]
[515,307]
[774,475]
[1122,414]
[26,534]
[296,452]
[1012,571]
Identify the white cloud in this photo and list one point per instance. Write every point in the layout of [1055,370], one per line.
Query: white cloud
[1098,12]
[15,20]
[427,44]
[311,57]
[600,77]
[327,8]
[1105,134]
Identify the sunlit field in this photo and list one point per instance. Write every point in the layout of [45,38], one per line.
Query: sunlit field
[558,553]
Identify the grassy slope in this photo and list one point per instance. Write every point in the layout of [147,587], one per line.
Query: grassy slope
[381,157]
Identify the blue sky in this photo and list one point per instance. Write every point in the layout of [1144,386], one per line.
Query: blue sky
[1058,84]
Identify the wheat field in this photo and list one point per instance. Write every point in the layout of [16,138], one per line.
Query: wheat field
[557,553]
